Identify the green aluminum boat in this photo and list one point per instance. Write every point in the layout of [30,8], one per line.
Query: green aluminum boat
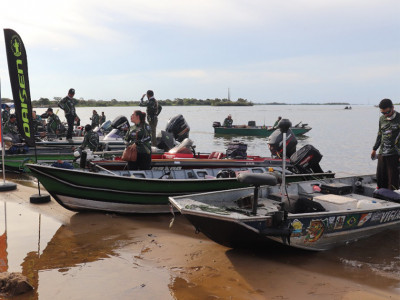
[98,189]
[263,131]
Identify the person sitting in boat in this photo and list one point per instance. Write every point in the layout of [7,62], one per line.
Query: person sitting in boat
[95,119]
[37,122]
[53,122]
[228,121]
[140,134]
[90,140]
[5,114]
[10,129]
[277,122]
[102,118]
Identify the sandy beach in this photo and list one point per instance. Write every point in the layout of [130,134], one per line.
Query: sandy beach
[108,256]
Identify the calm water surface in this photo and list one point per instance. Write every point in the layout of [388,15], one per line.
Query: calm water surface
[344,137]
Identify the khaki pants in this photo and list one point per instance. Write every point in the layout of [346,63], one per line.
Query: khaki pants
[153,126]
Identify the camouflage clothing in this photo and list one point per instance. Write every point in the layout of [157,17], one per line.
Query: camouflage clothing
[90,140]
[102,119]
[68,105]
[36,123]
[388,138]
[140,135]
[95,120]
[10,127]
[53,124]
[152,108]
[5,116]
[227,122]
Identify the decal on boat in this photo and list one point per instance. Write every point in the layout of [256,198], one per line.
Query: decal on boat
[391,215]
[339,222]
[297,228]
[364,218]
[314,231]
[351,221]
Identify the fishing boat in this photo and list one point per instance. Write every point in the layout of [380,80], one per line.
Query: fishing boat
[126,191]
[314,215]
[253,130]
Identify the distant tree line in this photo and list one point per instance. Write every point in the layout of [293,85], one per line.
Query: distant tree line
[45,102]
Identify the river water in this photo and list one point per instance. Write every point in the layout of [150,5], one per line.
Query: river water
[344,137]
[105,256]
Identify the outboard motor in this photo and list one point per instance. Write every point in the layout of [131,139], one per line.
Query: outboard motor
[185,147]
[216,124]
[275,143]
[306,160]
[178,127]
[104,128]
[120,122]
[165,140]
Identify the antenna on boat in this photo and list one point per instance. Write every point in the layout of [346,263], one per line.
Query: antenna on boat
[284,126]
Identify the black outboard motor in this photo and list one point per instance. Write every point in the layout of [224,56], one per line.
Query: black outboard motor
[120,122]
[178,127]
[275,144]
[306,160]
[216,124]
[165,140]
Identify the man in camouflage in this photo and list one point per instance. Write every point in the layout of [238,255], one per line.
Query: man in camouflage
[68,105]
[95,119]
[10,129]
[90,140]
[53,122]
[388,140]
[151,112]
[102,118]
[5,114]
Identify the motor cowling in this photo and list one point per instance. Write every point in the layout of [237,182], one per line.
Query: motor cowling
[178,127]
[275,143]
[120,122]
[306,160]
[165,140]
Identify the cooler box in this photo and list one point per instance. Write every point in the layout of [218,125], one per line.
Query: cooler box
[336,202]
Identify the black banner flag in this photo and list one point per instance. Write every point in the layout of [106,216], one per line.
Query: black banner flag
[18,70]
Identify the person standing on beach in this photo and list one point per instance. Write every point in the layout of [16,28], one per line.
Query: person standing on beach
[388,140]
[152,111]
[68,105]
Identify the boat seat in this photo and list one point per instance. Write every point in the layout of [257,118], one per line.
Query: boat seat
[257,179]
[215,155]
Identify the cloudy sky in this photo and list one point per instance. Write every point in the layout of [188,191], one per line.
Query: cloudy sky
[289,51]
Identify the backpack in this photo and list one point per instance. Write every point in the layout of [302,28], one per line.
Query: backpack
[159,108]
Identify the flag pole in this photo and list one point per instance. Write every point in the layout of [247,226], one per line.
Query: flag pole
[4,186]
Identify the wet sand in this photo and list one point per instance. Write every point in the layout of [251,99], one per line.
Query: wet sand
[108,256]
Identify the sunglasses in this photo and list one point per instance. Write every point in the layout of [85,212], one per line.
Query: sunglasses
[386,112]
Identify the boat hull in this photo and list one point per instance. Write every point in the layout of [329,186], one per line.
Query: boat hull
[340,218]
[83,190]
